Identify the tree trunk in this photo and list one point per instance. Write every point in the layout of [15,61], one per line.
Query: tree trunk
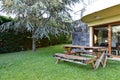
[33,44]
[33,41]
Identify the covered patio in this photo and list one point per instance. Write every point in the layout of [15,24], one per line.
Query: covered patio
[107,36]
[104,24]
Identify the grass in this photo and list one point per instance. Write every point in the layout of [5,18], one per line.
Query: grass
[41,66]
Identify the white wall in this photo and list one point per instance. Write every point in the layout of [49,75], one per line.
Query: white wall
[91,37]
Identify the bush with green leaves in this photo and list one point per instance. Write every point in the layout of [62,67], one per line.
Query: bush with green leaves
[62,38]
[12,41]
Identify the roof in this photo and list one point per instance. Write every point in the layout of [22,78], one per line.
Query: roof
[102,12]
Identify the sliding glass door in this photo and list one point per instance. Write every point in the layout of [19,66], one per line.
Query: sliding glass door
[101,36]
[115,39]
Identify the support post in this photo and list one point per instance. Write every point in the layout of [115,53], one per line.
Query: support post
[109,39]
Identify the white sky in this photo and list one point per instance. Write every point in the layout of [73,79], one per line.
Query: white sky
[75,14]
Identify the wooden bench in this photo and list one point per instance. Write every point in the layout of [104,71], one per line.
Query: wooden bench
[84,55]
[74,59]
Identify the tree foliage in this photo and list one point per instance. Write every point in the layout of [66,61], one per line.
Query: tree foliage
[4,19]
[40,17]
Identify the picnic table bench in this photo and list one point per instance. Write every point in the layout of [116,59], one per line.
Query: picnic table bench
[86,55]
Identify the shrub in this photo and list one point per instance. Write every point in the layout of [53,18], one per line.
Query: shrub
[11,41]
[62,38]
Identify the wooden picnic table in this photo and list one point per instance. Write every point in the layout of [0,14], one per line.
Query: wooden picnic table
[74,54]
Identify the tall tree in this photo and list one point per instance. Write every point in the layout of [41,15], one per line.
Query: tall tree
[40,17]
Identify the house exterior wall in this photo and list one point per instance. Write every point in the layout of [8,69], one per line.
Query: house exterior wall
[102,12]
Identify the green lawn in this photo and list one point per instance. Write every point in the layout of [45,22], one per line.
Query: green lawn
[41,66]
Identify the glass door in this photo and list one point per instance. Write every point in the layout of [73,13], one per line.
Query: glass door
[101,36]
[116,39]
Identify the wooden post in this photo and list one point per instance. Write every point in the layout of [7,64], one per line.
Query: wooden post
[105,61]
[68,50]
[98,61]
[109,39]
[92,37]
[58,60]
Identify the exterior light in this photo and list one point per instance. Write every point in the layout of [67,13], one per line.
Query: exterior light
[97,17]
